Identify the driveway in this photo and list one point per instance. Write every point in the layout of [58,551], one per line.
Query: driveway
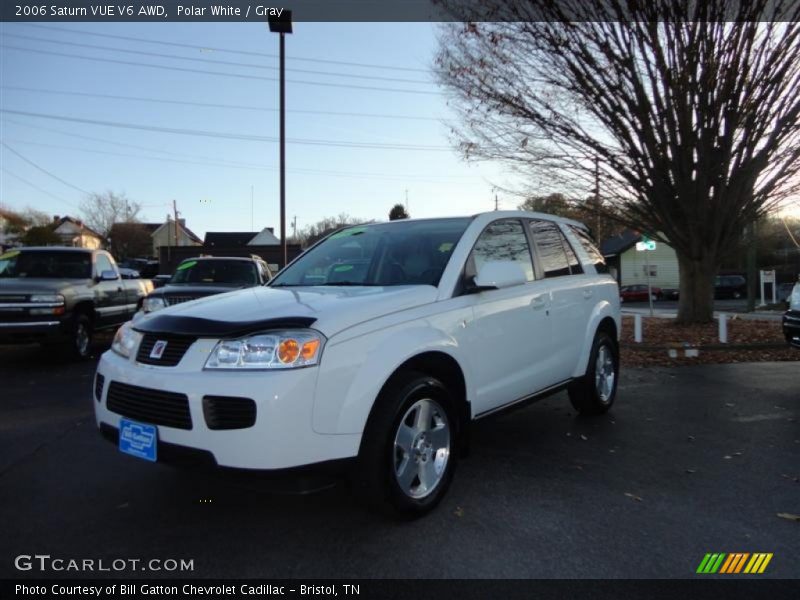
[690,461]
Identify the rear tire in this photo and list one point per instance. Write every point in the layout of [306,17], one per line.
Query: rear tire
[409,448]
[595,392]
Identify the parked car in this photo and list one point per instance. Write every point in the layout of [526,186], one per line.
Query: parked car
[129,273]
[730,286]
[791,319]
[205,276]
[638,293]
[161,280]
[670,293]
[64,295]
[372,353]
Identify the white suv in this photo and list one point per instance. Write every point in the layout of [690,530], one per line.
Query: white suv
[375,348]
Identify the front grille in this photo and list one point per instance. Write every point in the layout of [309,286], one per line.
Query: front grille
[149,406]
[8,299]
[99,382]
[223,412]
[172,300]
[176,347]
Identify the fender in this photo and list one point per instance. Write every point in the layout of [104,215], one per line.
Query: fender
[601,311]
[351,377]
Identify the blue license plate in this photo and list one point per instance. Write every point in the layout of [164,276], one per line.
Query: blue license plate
[138,439]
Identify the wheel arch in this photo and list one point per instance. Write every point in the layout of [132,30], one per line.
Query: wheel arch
[603,318]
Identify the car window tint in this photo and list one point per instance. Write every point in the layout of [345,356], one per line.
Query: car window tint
[503,240]
[549,244]
[595,256]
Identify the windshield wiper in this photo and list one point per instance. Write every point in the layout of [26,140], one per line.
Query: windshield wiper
[350,283]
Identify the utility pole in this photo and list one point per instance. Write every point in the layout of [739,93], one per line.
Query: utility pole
[175,216]
[597,233]
[252,219]
[294,228]
[496,203]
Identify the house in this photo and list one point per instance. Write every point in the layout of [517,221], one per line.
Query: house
[240,239]
[74,232]
[630,266]
[165,235]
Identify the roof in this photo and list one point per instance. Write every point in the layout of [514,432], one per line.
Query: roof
[185,229]
[264,238]
[53,249]
[77,222]
[229,239]
[620,243]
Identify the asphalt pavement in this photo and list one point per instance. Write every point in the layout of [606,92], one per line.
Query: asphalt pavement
[691,460]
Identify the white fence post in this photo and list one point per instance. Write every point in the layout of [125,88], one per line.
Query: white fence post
[723,328]
[637,328]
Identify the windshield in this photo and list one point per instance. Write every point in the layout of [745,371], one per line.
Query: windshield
[232,272]
[407,253]
[46,265]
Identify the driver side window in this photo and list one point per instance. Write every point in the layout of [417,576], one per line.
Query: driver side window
[502,240]
[103,264]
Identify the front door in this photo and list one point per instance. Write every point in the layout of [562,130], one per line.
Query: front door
[508,349]
[109,296]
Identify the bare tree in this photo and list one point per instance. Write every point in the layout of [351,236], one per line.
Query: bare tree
[687,113]
[311,234]
[101,211]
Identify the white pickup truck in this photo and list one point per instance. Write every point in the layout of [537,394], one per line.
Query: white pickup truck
[375,349]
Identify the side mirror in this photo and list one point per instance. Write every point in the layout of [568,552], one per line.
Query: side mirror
[498,274]
[108,276]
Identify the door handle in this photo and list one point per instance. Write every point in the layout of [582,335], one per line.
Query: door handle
[588,294]
[538,302]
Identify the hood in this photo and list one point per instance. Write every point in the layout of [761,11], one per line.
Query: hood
[24,285]
[195,290]
[327,309]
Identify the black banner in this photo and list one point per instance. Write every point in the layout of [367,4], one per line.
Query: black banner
[419,589]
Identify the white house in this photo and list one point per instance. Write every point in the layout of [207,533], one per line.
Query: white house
[632,266]
[74,232]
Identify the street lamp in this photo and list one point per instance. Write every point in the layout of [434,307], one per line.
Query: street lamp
[282,25]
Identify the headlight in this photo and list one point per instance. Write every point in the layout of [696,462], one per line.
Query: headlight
[270,350]
[794,303]
[126,340]
[153,303]
[47,299]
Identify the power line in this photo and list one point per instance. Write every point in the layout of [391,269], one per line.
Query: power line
[215,105]
[224,50]
[216,62]
[43,170]
[37,188]
[231,136]
[217,73]
[249,166]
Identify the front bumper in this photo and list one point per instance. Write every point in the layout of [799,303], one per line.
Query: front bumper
[791,327]
[22,331]
[282,436]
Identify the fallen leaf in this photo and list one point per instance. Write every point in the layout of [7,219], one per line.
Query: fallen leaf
[690,438]
[691,471]
[459,512]
[727,457]
[584,438]
[789,516]
[124,505]
[729,404]
[633,497]
[737,453]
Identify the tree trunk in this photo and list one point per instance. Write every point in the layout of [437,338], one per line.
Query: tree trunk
[696,303]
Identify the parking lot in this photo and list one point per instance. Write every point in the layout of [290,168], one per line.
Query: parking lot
[689,461]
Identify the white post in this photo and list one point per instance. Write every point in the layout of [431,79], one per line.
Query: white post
[637,328]
[774,288]
[649,287]
[723,328]
[761,280]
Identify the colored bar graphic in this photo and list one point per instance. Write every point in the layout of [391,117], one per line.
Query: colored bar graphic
[720,562]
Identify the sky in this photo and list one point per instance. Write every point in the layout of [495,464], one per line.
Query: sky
[50,162]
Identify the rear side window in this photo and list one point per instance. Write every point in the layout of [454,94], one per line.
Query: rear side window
[551,248]
[503,240]
[591,249]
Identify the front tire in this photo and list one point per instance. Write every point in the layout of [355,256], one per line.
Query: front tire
[409,449]
[80,338]
[595,392]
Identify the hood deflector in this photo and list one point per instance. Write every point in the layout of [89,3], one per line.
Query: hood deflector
[197,327]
